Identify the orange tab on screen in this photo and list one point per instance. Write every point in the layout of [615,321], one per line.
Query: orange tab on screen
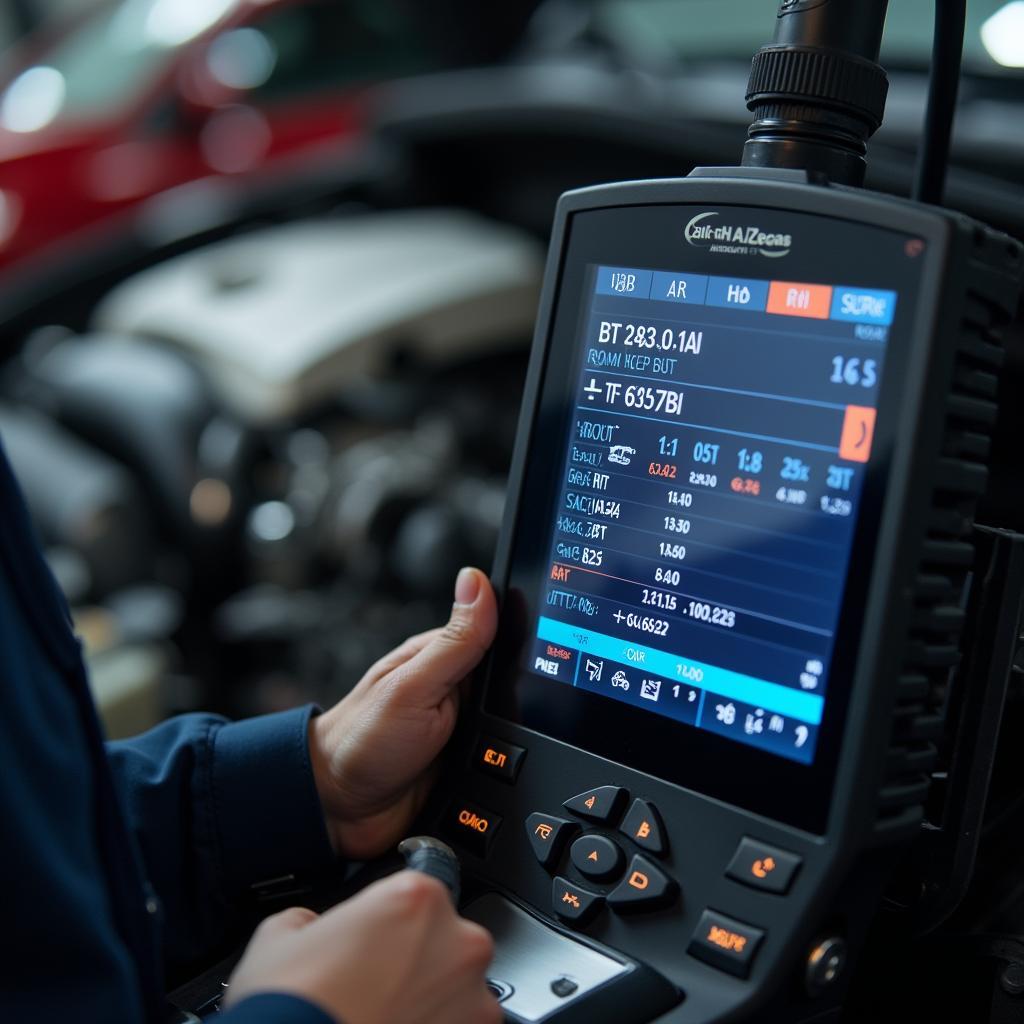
[792,299]
[858,429]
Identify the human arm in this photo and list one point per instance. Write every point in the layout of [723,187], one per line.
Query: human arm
[397,951]
[215,807]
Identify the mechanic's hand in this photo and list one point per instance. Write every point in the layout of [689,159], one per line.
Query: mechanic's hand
[396,953]
[373,752]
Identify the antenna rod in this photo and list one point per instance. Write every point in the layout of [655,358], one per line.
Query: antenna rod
[947,52]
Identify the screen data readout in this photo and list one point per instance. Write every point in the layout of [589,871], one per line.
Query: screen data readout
[709,496]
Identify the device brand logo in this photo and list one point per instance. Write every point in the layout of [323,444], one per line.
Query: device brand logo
[736,239]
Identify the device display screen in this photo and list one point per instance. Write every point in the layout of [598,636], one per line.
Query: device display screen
[710,488]
[712,430]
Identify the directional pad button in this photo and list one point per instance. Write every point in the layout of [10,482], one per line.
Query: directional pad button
[548,836]
[643,826]
[601,804]
[573,903]
[645,887]
[596,857]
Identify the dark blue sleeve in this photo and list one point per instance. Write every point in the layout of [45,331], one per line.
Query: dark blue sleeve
[216,806]
[62,954]
[275,1008]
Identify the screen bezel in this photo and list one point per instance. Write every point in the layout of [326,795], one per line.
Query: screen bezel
[757,781]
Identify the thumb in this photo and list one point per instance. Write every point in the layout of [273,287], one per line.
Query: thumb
[458,648]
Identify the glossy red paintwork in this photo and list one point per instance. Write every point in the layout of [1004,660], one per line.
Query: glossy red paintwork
[66,179]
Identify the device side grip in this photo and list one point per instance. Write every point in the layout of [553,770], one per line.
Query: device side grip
[932,653]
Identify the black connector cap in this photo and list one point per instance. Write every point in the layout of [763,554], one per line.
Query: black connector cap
[811,76]
[817,91]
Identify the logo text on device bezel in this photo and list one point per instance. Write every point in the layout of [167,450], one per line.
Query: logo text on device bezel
[736,239]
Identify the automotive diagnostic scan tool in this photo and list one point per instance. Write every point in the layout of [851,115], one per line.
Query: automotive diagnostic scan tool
[735,563]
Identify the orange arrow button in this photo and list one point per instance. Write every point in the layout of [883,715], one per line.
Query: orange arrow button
[858,430]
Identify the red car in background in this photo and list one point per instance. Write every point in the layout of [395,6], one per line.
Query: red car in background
[140,96]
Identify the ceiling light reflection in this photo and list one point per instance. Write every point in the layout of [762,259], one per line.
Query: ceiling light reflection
[33,99]
[1003,35]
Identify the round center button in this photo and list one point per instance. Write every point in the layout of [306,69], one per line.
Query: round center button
[596,857]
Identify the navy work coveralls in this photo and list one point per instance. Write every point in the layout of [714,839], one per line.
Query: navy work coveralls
[119,858]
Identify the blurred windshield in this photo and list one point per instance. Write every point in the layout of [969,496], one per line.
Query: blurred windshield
[710,29]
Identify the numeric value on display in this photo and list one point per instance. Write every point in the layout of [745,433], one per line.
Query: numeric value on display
[854,372]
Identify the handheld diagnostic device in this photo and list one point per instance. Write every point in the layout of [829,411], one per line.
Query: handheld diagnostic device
[735,557]
[735,563]
[735,568]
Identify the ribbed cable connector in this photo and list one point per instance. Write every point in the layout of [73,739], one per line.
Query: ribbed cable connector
[817,77]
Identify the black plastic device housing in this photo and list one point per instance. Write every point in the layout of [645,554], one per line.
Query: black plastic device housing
[909,642]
